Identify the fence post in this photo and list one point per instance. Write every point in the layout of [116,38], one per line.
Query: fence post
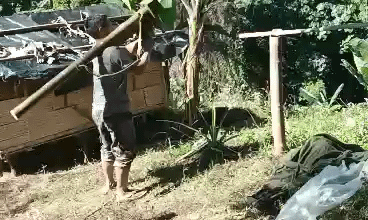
[278,125]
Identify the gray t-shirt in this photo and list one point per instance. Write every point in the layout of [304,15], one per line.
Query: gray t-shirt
[107,96]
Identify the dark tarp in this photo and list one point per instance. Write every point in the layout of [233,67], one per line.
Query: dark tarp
[74,15]
[170,44]
[299,166]
[167,45]
[30,68]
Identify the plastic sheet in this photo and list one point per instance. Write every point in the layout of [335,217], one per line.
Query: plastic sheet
[325,191]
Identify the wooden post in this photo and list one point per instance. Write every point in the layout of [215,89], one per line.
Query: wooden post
[278,128]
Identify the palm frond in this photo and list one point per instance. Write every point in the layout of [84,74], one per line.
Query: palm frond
[184,125]
[196,150]
[226,139]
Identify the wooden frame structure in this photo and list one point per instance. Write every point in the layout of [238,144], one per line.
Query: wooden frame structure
[277,113]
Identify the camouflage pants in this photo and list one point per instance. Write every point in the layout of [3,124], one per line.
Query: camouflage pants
[117,136]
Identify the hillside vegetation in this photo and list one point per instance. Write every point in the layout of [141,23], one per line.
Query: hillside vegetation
[234,73]
[176,190]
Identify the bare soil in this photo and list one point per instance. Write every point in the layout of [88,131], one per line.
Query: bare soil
[174,191]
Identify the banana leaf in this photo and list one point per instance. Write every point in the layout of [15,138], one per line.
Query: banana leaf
[359,48]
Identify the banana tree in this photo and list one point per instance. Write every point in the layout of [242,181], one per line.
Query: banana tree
[167,12]
[196,11]
[359,48]
[191,62]
[196,15]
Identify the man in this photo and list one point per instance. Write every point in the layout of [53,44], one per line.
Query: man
[110,106]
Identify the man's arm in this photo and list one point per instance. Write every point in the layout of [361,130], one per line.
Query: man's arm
[116,59]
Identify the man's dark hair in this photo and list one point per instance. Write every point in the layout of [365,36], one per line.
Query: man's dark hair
[98,26]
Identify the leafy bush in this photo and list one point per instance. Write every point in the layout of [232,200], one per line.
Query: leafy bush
[208,147]
[315,93]
[63,4]
[309,56]
[311,91]
[349,124]
[257,139]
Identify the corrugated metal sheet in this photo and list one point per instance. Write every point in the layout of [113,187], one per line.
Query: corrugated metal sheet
[30,68]
[167,45]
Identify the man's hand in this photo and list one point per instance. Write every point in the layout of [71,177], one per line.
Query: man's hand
[142,53]
[144,59]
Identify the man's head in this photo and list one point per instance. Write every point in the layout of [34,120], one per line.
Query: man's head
[98,26]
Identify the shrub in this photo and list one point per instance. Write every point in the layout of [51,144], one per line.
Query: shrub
[63,4]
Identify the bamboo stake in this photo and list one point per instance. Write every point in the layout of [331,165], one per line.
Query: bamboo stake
[47,27]
[278,128]
[119,33]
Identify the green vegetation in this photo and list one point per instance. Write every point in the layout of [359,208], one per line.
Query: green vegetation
[354,208]
[177,186]
[62,4]
[323,97]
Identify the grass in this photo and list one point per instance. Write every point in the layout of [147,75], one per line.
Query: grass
[353,208]
[348,124]
[176,190]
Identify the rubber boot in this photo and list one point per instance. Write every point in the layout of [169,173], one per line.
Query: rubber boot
[108,171]
[122,175]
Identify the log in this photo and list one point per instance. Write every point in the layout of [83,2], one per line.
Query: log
[120,33]
[47,27]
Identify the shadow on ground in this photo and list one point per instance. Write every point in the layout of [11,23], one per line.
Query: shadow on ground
[151,132]
[164,216]
[173,176]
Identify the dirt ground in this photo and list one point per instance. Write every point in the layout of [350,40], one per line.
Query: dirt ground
[174,191]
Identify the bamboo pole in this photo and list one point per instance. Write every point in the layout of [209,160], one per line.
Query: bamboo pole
[47,26]
[119,33]
[278,128]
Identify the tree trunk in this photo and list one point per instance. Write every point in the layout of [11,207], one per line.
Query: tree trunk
[192,69]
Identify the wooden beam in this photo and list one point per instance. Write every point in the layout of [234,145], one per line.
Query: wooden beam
[278,127]
[280,32]
[48,26]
